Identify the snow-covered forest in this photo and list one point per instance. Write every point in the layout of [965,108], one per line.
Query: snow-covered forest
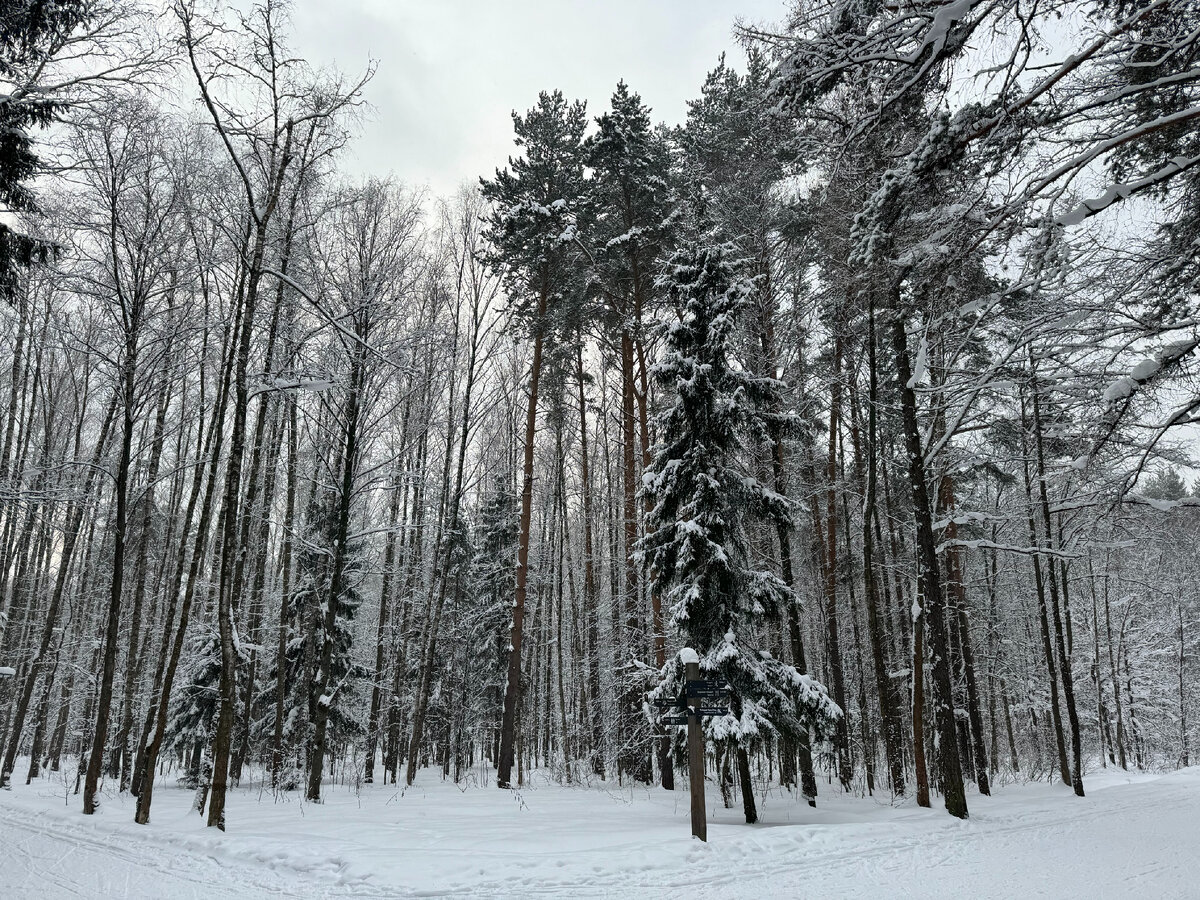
[873,381]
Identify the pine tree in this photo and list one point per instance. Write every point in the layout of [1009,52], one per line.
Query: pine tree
[696,547]
[631,200]
[1166,485]
[533,232]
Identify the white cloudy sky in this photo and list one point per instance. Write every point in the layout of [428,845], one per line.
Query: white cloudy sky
[450,72]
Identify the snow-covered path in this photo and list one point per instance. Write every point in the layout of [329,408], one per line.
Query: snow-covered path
[49,857]
[1133,836]
[1123,841]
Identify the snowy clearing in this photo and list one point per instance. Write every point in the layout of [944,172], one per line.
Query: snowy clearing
[1134,834]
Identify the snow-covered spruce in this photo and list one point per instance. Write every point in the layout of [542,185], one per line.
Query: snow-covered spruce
[695,548]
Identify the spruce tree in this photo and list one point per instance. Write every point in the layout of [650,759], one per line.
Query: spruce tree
[314,584]
[194,703]
[30,33]
[492,578]
[696,549]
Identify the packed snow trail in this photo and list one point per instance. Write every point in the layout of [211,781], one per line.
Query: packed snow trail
[48,855]
[1132,836]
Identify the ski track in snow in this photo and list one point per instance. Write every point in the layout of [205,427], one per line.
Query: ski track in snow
[60,860]
[1132,836]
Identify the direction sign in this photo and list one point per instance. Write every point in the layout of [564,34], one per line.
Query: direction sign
[700,697]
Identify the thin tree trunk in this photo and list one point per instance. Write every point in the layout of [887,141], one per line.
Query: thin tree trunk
[590,594]
[633,759]
[949,765]
[889,712]
[133,661]
[385,590]
[1044,621]
[512,689]
[112,629]
[1064,653]
[321,686]
[833,652]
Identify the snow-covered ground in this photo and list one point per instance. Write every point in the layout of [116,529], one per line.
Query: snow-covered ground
[1132,836]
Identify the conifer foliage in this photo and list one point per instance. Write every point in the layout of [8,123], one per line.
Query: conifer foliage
[29,34]
[696,549]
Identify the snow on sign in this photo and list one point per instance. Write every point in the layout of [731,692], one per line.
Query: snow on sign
[7,671]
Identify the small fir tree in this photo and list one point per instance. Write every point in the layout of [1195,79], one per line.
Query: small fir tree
[696,549]
[314,565]
[194,702]
[491,577]
[1166,485]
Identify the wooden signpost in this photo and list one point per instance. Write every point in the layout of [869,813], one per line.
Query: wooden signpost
[699,698]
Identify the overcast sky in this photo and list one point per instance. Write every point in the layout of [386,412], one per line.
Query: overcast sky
[450,72]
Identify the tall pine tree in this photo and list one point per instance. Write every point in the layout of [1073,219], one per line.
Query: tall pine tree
[532,232]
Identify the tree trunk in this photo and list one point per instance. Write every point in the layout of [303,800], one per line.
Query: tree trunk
[112,629]
[512,688]
[961,627]
[633,760]
[1044,621]
[889,712]
[385,590]
[590,594]
[1064,653]
[949,765]
[321,687]
[832,648]
[133,662]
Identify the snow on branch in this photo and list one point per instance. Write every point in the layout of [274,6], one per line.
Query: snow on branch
[1007,548]
[1119,192]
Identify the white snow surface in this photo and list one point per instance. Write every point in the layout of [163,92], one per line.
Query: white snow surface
[1134,835]
[1119,389]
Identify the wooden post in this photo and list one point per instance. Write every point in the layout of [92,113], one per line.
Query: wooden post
[695,748]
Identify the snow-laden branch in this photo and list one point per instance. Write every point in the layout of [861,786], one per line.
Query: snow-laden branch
[1007,548]
[1119,192]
